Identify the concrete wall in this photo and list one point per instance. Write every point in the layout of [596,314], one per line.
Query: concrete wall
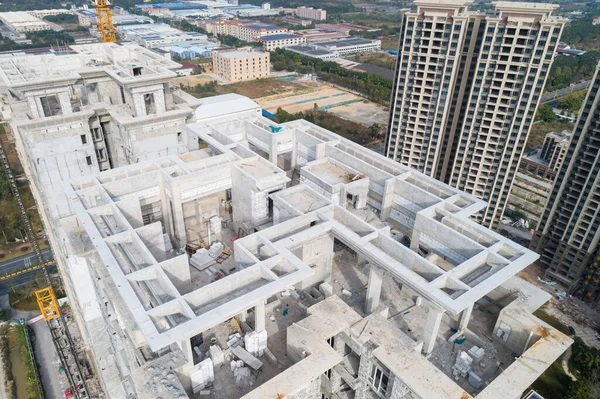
[318,254]
[312,391]
[524,328]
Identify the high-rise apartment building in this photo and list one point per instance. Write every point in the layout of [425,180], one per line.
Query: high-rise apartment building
[568,234]
[467,86]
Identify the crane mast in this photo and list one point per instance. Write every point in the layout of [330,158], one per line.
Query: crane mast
[106,27]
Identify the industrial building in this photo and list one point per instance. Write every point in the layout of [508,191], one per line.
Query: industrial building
[22,21]
[568,234]
[326,50]
[271,42]
[312,51]
[241,64]
[319,35]
[316,14]
[158,35]
[353,45]
[207,250]
[462,112]
[248,31]
[44,13]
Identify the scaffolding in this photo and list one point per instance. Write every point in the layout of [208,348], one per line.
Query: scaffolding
[108,33]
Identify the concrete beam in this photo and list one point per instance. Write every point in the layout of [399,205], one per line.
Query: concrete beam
[373,289]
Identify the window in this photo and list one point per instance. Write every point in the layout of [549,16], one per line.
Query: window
[179,137]
[149,103]
[378,378]
[331,342]
[137,71]
[83,139]
[88,159]
[50,105]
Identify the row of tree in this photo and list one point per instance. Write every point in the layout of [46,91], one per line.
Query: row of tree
[372,86]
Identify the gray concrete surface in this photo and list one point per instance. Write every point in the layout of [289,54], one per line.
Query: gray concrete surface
[46,356]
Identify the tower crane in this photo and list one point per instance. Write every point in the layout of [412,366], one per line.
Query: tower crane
[107,30]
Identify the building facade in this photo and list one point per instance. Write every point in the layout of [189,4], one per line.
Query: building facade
[568,235]
[238,65]
[466,90]
[315,14]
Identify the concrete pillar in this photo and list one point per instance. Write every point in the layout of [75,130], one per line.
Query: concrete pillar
[465,316]
[273,154]
[186,348]
[373,289]
[387,199]
[432,326]
[414,240]
[259,317]
[242,317]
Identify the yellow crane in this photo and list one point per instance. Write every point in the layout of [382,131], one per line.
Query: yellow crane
[107,30]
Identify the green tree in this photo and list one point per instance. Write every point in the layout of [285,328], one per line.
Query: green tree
[374,130]
[572,102]
[5,314]
[545,113]
[580,389]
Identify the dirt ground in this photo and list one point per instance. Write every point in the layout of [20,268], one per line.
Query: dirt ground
[341,103]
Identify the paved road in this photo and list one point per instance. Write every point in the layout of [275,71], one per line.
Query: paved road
[23,261]
[558,93]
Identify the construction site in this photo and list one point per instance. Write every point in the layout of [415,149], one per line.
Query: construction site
[207,251]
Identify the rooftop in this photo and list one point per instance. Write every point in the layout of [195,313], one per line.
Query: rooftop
[261,26]
[240,54]
[354,41]
[278,37]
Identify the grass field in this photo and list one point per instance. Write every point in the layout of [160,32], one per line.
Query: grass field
[390,43]
[383,60]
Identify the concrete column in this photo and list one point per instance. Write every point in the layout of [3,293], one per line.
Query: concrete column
[273,154]
[432,326]
[465,316]
[186,348]
[242,317]
[387,199]
[414,240]
[373,289]
[259,317]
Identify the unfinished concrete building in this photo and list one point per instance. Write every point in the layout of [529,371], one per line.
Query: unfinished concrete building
[266,260]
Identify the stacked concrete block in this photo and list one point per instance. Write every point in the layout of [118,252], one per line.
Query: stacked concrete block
[476,353]
[201,375]
[462,367]
[216,224]
[260,207]
[256,342]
